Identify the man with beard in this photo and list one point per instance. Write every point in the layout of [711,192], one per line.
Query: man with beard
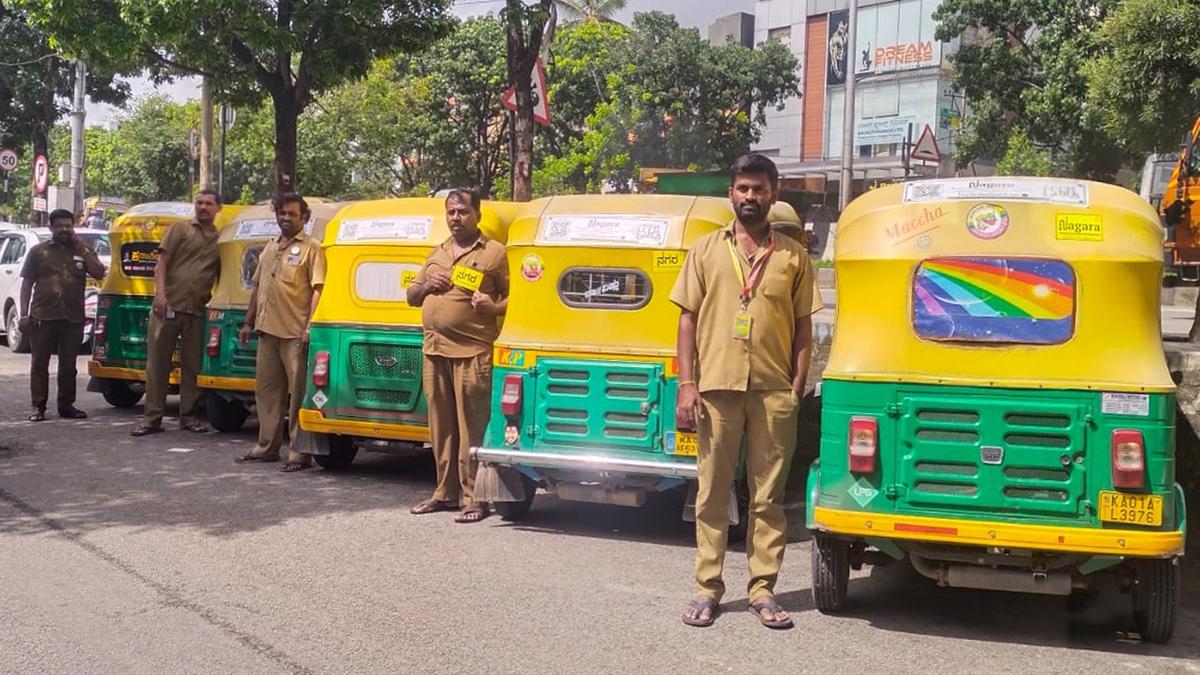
[287,285]
[745,336]
[53,277]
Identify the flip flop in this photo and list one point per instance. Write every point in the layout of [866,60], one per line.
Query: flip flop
[698,606]
[38,416]
[251,457]
[194,427]
[472,514]
[146,431]
[433,506]
[293,467]
[769,604]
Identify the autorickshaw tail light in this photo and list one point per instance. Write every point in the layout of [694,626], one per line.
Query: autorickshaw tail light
[512,396]
[320,374]
[101,326]
[214,342]
[1128,459]
[864,444]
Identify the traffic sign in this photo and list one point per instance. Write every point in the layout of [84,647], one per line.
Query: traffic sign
[537,92]
[192,143]
[228,116]
[926,148]
[8,159]
[41,174]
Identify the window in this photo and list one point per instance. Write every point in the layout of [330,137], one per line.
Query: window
[98,242]
[249,264]
[384,281]
[14,252]
[994,300]
[604,288]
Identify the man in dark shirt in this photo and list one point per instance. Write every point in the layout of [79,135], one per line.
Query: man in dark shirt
[53,277]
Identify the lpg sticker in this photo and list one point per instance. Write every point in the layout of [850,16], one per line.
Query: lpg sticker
[668,260]
[987,221]
[320,399]
[1136,405]
[1078,227]
[532,268]
[863,492]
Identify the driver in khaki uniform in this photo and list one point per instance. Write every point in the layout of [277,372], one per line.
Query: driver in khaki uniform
[287,285]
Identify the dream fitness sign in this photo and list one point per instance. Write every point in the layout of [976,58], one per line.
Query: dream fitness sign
[897,36]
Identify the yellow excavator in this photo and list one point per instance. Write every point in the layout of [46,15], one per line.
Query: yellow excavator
[1180,217]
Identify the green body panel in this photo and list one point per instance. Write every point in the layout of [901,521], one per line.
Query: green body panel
[1056,453]
[232,359]
[608,408]
[375,373]
[126,320]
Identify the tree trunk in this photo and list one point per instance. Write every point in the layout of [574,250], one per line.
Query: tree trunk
[287,114]
[522,54]
[522,164]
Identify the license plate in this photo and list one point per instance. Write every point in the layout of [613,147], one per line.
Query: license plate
[684,444]
[1119,507]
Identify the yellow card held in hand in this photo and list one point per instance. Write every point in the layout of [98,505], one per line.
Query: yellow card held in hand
[742,321]
[465,277]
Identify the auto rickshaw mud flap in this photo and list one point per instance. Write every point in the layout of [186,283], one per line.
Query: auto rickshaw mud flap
[495,483]
[98,385]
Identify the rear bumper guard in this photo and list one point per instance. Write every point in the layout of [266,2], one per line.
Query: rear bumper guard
[584,462]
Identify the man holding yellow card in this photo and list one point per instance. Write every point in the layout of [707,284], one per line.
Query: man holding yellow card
[462,291]
[745,338]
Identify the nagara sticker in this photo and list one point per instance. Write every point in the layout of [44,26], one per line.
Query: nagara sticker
[532,268]
[466,277]
[407,278]
[668,260]
[987,221]
[1078,227]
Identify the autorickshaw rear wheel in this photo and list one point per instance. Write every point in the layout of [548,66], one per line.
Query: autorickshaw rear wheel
[1156,598]
[513,511]
[342,451]
[830,573]
[121,394]
[225,414]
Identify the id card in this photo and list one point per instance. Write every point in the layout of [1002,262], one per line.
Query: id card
[465,277]
[742,321]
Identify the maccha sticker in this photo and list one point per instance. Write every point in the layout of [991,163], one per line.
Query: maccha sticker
[465,277]
[1078,227]
[1134,405]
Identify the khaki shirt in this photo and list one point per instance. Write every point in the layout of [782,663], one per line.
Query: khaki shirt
[59,276]
[286,278]
[709,286]
[193,268]
[453,328]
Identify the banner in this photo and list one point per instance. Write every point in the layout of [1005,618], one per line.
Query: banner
[838,46]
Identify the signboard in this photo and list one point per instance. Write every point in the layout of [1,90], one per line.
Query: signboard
[8,159]
[838,48]
[882,130]
[192,154]
[386,229]
[926,148]
[1073,193]
[138,258]
[41,174]
[39,204]
[896,36]
[618,229]
[537,92]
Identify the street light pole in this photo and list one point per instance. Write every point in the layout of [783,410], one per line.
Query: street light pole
[844,188]
[78,114]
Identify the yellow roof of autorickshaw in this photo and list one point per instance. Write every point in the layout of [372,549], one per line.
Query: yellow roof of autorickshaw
[639,235]
[397,234]
[253,226]
[1108,235]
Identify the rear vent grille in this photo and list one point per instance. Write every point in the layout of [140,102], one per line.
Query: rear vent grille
[947,469]
[1036,494]
[955,489]
[383,396]
[948,435]
[1038,440]
[561,428]
[1035,420]
[1032,473]
[385,361]
[949,416]
[566,414]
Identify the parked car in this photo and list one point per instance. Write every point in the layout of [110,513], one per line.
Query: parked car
[14,246]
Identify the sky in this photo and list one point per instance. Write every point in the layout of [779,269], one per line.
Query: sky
[693,13]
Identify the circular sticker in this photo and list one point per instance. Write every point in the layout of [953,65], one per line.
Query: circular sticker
[924,242]
[296,250]
[531,267]
[987,221]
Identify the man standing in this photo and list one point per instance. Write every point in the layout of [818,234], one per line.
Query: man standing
[287,285]
[54,276]
[462,291]
[744,342]
[187,268]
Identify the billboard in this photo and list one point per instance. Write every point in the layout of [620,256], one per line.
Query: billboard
[896,36]
[837,46]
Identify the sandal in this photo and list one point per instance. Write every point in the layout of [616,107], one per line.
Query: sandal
[769,605]
[146,431]
[251,457]
[293,467]
[433,506]
[194,427]
[38,416]
[472,514]
[697,607]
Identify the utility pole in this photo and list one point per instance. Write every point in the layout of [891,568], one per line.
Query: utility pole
[848,110]
[206,133]
[78,114]
[221,166]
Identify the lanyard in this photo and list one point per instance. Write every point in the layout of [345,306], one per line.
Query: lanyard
[756,268]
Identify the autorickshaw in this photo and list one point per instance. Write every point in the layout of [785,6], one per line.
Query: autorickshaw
[118,364]
[365,364]
[997,407]
[584,372]
[227,372]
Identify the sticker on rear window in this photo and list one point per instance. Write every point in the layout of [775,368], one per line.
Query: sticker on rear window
[163,209]
[1136,405]
[386,229]
[614,230]
[262,228]
[1074,193]
[138,258]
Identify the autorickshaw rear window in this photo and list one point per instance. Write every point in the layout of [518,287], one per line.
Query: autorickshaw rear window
[380,281]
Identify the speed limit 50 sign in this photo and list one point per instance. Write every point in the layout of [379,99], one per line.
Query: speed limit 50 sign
[8,159]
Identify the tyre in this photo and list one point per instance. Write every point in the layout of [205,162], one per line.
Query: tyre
[830,573]
[225,415]
[121,394]
[514,511]
[1156,598]
[18,342]
[342,451]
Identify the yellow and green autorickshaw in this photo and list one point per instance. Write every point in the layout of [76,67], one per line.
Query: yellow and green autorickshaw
[997,407]
[227,372]
[364,385]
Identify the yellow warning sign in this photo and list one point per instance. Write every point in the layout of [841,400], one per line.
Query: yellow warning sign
[1078,227]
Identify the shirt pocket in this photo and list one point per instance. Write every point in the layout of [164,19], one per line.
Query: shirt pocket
[289,273]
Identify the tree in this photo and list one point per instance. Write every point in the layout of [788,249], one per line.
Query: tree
[1021,158]
[1146,84]
[524,30]
[288,51]
[1022,63]
[591,11]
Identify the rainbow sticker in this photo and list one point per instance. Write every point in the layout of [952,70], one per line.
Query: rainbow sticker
[1017,300]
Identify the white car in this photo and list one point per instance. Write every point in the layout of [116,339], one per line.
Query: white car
[14,246]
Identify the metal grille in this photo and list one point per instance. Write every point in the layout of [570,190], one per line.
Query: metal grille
[949,416]
[1038,440]
[387,361]
[1038,494]
[948,435]
[1033,420]
[1034,473]
[383,396]
[948,469]
[956,489]
[604,288]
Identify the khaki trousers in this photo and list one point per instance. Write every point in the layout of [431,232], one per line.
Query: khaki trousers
[459,394]
[280,368]
[767,422]
[187,331]
[53,338]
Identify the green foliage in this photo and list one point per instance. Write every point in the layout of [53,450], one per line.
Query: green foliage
[1021,158]
[1146,85]
[591,11]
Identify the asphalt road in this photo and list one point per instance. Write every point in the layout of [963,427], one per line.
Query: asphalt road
[123,555]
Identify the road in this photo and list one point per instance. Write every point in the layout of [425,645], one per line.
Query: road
[123,555]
